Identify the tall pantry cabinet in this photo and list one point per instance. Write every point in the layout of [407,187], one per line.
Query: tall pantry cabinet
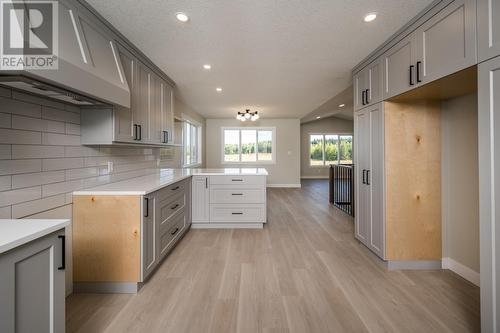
[369,191]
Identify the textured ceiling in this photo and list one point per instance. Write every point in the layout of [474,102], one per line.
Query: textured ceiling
[283,58]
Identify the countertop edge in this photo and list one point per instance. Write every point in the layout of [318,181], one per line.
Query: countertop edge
[33,236]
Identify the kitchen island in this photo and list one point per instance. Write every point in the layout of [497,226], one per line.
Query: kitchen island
[123,230]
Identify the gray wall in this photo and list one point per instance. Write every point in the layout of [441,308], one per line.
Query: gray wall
[42,161]
[328,125]
[286,171]
[460,181]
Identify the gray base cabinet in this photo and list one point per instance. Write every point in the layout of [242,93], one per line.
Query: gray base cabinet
[489,185]
[32,291]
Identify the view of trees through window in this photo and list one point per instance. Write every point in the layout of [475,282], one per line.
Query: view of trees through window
[326,149]
[248,145]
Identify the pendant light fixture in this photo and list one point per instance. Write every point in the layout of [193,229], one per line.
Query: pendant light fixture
[247,115]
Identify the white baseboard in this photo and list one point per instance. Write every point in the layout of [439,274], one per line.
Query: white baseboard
[314,177]
[464,271]
[236,225]
[284,185]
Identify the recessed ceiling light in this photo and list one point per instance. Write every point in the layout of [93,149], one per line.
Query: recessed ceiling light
[370,17]
[182,17]
[207,66]
[341,105]
[218,89]
[318,117]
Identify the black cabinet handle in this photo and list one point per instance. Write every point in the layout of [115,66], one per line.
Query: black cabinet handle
[147,207]
[63,252]
[206,182]
[140,132]
[363,97]
[419,63]
[166,136]
[135,131]
[174,206]
[175,231]
[411,75]
[366,96]
[367,177]
[236,193]
[237,213]
[175,188]
[236,180]
[364,176]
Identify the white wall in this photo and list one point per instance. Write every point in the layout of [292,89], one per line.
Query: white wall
[460,184]
[328,125]
[286,170]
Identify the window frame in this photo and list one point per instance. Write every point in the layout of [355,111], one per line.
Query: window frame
[198,146]
[257,129]
[338,148]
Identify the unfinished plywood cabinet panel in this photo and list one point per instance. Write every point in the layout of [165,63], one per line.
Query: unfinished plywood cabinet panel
[106,238]
[413,180]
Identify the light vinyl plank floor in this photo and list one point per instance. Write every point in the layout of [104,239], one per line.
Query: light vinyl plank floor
[304,272]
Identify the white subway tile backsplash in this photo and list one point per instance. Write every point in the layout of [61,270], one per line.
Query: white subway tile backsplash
[5,213]
[12,167]
[19,136]
[60,139]
[21,195]
[5,152]
[60,115]
[62,163]
[72,129]
[39,178]
[36,206]
[5,120]
[72,174]
[21,108]
[80,151]
[42,161]
[36,151]
[5,183]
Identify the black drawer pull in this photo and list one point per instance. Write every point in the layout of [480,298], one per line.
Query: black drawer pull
[146,214]
[175,231]
[175,188]
[237,213]
[367,177]
[236,180]
[174,206]
[236,193]
[411,75]
[419,63]
[135,131]
[63,252]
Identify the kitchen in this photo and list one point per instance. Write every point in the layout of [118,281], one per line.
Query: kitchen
[143,182]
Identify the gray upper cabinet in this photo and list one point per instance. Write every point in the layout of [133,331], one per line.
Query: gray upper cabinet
[446,43]
[148,121]
[399,67]
[488,29]
[368,85]
[32,291]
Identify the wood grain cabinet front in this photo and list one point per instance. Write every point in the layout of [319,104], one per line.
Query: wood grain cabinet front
[119,240]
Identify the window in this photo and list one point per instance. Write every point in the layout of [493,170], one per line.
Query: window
[326,149]
[248,145]
[192,144]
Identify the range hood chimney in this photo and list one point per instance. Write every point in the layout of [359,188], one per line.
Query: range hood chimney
[89,68]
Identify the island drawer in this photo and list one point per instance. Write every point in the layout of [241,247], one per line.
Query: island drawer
[168,207]
[232,194]
[237,213]
[170,230]
[238,180]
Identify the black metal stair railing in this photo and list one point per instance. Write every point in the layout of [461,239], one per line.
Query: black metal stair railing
[342,187]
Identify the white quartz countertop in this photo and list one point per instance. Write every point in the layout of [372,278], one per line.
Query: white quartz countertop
[14,233]
[163,177]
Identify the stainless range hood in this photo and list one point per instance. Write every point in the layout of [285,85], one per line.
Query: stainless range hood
[89,67]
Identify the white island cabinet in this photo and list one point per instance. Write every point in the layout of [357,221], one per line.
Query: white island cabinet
[32,271]
[229,198]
